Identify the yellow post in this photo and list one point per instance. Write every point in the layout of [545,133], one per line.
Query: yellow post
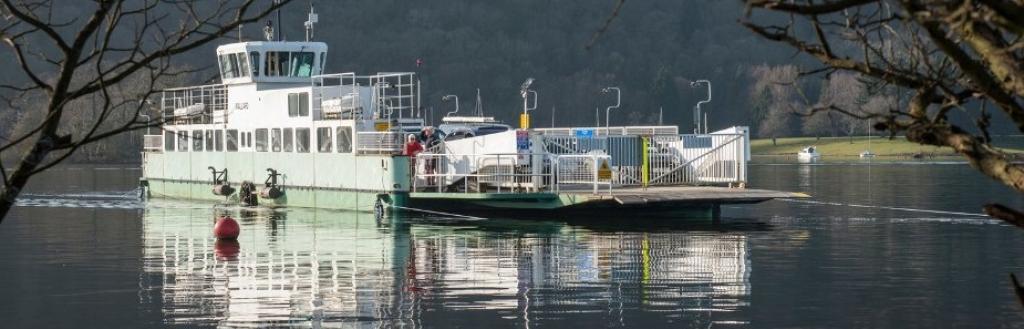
[645,162]
[524,121]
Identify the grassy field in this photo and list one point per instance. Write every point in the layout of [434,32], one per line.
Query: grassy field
[881,146]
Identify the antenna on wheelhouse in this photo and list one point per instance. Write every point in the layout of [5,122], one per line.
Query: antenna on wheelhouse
[479,109]
[280,32]
[313,19]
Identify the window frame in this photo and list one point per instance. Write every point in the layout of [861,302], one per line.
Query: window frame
[171,137]
[231,140]
[288,140]
[343,145]
[275,140]
[324,139]
[302,134]
[262,146]
[197,140]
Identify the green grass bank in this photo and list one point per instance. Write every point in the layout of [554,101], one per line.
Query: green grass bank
[881,146]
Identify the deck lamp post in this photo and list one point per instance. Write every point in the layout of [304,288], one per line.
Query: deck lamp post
[697,110]
[446,98]
[607,111]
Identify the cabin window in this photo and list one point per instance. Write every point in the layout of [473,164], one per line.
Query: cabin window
[254,60]
[248,139]
[276,64]
[243,65]
[197,141]
[324,139]
[275,140]
[218,141]
[302,140]
[298,104]
[182,141]
[344,139]
[232,140]
[261,140]
[323,62]
[229,67]
[302,64]
[288,137]
[209,140]
[169,141]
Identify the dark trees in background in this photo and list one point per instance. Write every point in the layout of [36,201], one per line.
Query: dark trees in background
[945,56]
[88,74]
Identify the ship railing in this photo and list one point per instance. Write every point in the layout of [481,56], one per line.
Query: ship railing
[583,171]
[509,173]
[153,143]
[686,159]
[379,142]
[610,131]
[392,95]
[197,104]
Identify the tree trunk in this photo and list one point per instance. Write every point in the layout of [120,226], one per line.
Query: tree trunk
[773,142]
[19,178]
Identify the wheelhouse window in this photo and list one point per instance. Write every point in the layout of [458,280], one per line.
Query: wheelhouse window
[218,141]
[275,140]
[197,141]
[182,141]
[288,140]
[232,140]
[276,64]
[298,104]
[169,141]
[344,139]
[243,64]
[209,140]
[323,62]
[302,64]
[261,140]
[289,64]
[302,140]
[229,68]
[324,139]
[254,59]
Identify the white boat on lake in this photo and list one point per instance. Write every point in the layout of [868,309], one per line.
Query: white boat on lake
[808,154]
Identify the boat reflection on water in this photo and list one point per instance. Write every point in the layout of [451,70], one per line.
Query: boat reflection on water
[327,268]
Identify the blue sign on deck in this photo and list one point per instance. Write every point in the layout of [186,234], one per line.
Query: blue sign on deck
[584,133]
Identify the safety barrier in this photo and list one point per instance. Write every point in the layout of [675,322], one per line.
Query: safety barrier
[688,159]
[378,142]
[510,173]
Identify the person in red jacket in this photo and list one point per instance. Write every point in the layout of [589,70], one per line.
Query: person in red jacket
[411,149]
[412,146]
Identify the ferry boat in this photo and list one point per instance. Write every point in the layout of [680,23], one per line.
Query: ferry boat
[278,130]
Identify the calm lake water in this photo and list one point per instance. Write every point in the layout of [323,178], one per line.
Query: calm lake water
[890,245]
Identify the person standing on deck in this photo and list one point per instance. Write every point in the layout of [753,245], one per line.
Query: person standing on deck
[430,140]
[411,149]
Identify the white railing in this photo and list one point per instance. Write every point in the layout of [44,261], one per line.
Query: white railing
[582,171]
[613,131]
[389,95]
[197,104]
[717,158]
[153,143]
[379,142]
[510,173]
[492,173]
[697,159]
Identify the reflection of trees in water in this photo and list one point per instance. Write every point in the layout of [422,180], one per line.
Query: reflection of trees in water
[330,267]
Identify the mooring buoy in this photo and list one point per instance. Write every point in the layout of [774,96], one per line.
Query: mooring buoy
[226,228]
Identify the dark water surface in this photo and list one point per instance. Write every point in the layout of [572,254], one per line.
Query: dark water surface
[890,245]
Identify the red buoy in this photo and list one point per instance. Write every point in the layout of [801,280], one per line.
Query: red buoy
[226,228]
